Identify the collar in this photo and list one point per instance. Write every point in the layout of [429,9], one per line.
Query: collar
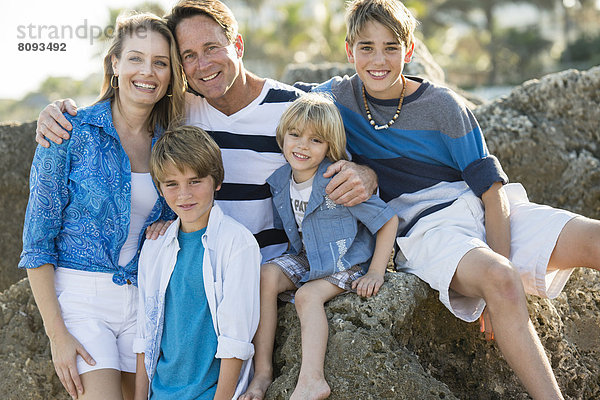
[281,177]
[216,215]
[99,114]
[189,89]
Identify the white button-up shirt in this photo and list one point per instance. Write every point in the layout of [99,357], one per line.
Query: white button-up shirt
[231,270]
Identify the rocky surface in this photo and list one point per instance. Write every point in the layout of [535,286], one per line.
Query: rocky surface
[17,146]
[546,134]
[402,344]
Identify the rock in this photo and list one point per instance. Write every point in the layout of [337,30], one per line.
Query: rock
[364,359]
[26,368]
[17,145]
[546,134]
[403,344]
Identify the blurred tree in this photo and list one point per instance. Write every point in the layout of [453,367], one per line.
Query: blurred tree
[479,15]
[580,24]
[113,13]
[295,31]
[583,51]
[519,53]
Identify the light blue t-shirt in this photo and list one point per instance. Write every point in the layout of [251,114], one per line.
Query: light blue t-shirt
[187,367]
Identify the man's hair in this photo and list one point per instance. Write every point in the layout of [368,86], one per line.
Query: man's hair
[214,9]
[318,111]
[186,147]
[390,13]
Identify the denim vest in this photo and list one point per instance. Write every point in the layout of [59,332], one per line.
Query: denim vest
[335,237]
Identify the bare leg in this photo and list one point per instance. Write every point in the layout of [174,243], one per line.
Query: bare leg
[310,300]
[484,273]
[578,245]
[128,385]
[272,282]
[101,384]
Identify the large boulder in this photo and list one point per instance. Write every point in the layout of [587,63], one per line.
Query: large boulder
[17,145]
[546,134]
[26,370]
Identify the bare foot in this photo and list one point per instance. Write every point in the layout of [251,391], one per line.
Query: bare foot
[257,388]
[311,389]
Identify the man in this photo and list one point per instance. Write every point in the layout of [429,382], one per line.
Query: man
[240,111]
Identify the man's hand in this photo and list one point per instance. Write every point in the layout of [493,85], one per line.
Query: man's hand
[352,183]
[52,124]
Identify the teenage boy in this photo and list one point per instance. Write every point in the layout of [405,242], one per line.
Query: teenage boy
[198,284]
[472,237]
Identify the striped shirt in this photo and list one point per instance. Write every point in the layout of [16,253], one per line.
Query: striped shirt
[250,155]
[428,157]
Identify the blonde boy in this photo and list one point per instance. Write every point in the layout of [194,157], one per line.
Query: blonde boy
[332,249]
[470,235]
[198,284]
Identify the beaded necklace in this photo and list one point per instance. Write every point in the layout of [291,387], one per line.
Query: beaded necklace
[391,121]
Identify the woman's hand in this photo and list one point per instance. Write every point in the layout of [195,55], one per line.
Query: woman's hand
[65,349]
[157,229]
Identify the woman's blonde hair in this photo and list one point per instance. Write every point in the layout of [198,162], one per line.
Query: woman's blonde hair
[318,111]
[170,108]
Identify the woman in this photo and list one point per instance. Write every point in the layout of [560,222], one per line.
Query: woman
[91,198]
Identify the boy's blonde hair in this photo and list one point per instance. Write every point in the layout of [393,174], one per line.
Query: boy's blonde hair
[390,13]
[186,147]
[318,111]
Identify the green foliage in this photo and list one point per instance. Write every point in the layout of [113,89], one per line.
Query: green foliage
[295,32]
[521,51]
[113,14]
[583,50]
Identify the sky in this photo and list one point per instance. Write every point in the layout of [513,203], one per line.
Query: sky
[71,25]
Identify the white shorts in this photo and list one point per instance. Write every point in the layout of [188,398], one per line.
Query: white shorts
[101,315]
[433,247]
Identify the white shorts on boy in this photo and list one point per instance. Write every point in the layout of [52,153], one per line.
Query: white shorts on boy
[433,247]
[100,315]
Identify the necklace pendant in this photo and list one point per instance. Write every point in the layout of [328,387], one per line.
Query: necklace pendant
[380,127]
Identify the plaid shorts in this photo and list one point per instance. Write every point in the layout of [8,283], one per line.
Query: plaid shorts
[295,266]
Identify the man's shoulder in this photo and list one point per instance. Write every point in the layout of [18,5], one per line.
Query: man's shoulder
[337,84]
[279,92]
[96,114]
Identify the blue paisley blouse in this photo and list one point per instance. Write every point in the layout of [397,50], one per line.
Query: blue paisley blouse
[79,206]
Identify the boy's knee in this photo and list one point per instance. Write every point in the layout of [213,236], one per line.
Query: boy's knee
[269,276]
[503,282]
[304,297]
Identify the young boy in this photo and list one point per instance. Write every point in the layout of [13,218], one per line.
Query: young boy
[476,240]
[332,249]
[198,284]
